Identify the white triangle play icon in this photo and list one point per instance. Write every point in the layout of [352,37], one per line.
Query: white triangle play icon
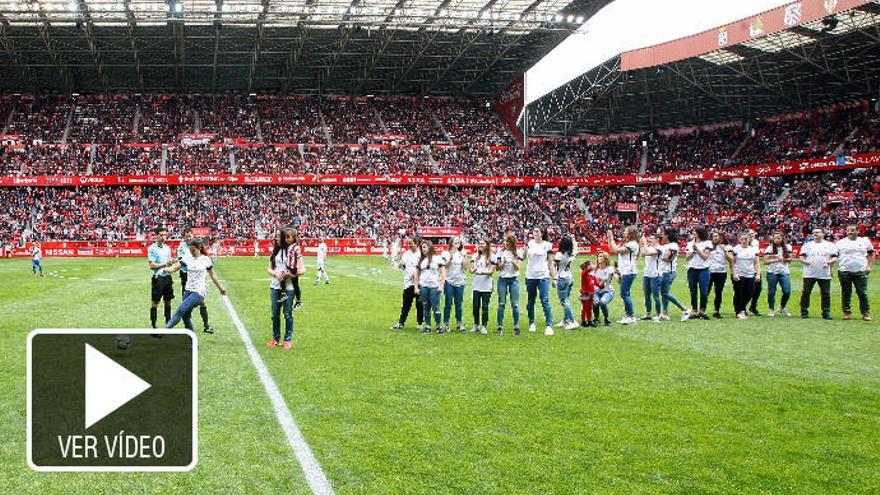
[108,385]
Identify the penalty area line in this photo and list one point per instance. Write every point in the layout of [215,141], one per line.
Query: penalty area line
[314,475]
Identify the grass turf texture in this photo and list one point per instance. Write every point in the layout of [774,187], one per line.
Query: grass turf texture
[762,406]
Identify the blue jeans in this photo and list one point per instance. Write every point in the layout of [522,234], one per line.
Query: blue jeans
[191,300]
[784,281]
[533,287]
[430,299]
[37,264]
[452,293]
[665,292]
[698,283]
[276,308]
[505,286]
[651,289]
[603,298]
[563,290]
[626,282]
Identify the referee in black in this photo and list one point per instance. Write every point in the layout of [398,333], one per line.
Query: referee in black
[159,256]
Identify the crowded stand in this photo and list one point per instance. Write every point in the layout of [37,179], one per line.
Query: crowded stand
[202,158]
[694,149]
[44,160]
[100,119]
[793,204]
[267,159]
[40,118]
[292,119]
[227,115]
[470,121]
[406,117]
[163,118]
[350,120]
[113,160]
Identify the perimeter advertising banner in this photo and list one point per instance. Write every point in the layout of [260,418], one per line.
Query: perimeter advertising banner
[787,168]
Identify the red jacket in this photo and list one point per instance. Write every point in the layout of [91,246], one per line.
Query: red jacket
[588,282]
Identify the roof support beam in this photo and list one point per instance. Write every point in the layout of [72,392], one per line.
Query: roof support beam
[87,27]
[132,26]
[27,74]
[258,44]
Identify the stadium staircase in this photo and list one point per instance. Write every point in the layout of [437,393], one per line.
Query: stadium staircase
[783,195]
[93,150]
[852,133]
[439,124]
[739,148]
[583,206]
[135,121]
[9,120]
[324,127]
[233,166]
[197,121]
[380,121]
[164,159]
[673,205]
[258,126]
[68,124]
[643,166]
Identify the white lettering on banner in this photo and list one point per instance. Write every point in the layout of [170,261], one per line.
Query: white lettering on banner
[250,179]
[91,180]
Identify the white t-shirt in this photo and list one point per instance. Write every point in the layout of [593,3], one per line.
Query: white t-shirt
[744,260]
[777,267]
[816,255]
[280,265]
[626,262]
[429,271]
[409,262]
[564,261]
[669,250]
[605,276]
[482,282]
[652,265]
[506,268]
[197,273]
[697,262]
[322,254]
[717,259]
[454,262]
[538,254]
[853,254]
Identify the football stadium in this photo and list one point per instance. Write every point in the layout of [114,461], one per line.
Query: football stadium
[453,247]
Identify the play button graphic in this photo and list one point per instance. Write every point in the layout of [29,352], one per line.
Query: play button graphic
[108,386]
[111,400]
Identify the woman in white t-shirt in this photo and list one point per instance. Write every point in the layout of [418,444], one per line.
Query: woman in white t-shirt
[745,265]
[199,268]
[649,247]
[456,263]
[482,268]
[507,263]
[697,254]
[627,259]
[430,278]
[281,288]
[718,264]
[668,271]
[777,257]
[539,273]
[563,260]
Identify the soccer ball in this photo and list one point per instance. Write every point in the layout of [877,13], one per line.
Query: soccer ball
[123,341]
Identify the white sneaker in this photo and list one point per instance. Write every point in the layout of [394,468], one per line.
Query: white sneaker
[571,325]
[784,312]
[548,331]
[742,316]
[475,329]
[686,315]
[532,327]
[624,320]
[560,324]
[664,317]
[483,331]
[771,313]
[657,319]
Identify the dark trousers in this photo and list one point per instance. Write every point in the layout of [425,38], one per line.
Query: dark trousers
[409,295]
[297,293]
[716,284]
[698,283]
[860,281]
[824,289]
[481,307]
[743,290]
[753,303]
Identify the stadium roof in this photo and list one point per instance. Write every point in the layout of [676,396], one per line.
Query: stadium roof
[450,47]
[822,62]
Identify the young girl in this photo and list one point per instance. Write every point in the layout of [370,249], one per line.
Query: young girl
[199,268]
[429,280]
[455,262]
[745,267]
[588,292]
[482,268]
[605,274]
[508,262]
[778,256]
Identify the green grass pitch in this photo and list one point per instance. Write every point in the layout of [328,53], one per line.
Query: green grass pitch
[766,406]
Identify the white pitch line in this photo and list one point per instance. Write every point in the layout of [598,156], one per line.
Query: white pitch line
[315,476]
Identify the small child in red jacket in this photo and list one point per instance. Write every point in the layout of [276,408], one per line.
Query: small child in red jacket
[588,290]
